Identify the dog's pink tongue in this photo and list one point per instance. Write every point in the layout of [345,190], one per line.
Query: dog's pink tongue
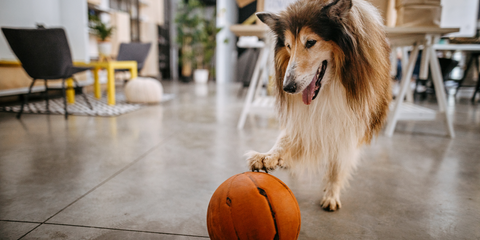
[307,94]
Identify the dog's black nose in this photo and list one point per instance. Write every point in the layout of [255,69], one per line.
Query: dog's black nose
[291,87]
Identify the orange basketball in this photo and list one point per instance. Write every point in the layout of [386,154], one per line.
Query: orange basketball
[253,205]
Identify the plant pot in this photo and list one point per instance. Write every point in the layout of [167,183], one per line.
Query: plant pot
[105,48]
[200,75]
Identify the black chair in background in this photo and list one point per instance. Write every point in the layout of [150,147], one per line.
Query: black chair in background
[44,54]
[134,52]
[446,66]
[473,61]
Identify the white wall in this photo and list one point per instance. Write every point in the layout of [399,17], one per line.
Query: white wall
[69,14]
[74,18]
[460,14]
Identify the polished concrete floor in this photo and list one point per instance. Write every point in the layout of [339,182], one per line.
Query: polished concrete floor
[150,174]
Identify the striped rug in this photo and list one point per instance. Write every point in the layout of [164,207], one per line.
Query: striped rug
[80,108]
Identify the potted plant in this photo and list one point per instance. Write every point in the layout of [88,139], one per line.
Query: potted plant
[196,34]
[103,33]
[188,19]
[205,49]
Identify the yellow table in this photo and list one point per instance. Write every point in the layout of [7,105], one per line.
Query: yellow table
[10,63]
[110,67]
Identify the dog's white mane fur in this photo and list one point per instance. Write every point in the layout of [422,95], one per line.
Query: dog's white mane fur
[327,134]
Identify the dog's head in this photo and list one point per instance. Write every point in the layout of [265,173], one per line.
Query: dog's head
[309,36]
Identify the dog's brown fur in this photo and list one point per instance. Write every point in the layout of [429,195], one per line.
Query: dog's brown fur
[359,59]
[352,33]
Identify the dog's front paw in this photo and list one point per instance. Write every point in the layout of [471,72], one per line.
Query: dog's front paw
[264,161]
[330,203]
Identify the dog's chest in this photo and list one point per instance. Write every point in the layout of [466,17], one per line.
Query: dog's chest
[328,119]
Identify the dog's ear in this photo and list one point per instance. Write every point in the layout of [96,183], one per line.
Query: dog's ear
[268,18]
[338,8]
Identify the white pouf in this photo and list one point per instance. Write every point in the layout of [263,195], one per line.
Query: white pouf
[143,90]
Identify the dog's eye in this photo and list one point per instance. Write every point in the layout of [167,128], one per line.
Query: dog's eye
[288,46]
[310,43]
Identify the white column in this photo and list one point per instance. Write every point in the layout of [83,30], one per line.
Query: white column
[173,44]
[226,41]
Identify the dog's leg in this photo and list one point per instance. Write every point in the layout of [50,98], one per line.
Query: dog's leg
[273,158]
[336,176]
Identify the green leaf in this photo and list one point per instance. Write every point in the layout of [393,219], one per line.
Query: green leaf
[102,30]
[200,30]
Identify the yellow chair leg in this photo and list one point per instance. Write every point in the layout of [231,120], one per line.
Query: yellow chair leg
[133,72]
[96,85]
[111,86]
[70,91]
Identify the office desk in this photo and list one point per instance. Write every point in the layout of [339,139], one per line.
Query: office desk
[416,37]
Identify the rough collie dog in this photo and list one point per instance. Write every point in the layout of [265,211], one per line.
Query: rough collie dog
[332,88]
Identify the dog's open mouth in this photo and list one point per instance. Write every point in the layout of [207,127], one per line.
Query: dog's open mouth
[313,88]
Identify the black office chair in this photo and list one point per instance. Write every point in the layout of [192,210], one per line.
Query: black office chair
[473,61]
[134,52]
[44,54]
[446,66]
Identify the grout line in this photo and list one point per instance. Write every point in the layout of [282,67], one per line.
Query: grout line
[30,231]
[127,230]
[104,228]
[103,182]
[18,221]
